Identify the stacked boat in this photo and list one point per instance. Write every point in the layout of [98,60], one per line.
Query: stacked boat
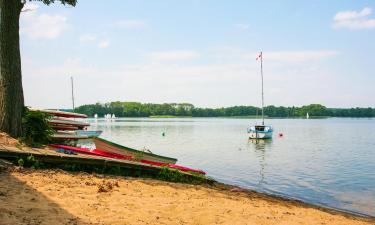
[67,128]
[68,125]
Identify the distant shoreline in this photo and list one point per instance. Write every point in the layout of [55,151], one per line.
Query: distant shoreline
[172,110]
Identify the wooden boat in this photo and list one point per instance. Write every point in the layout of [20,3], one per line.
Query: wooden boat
[111,147]
[99,152]
[61,113]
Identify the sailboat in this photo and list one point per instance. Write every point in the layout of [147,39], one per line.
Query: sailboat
[307,115]
[260,131]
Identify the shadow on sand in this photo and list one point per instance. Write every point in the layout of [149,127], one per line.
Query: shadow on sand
[22,204]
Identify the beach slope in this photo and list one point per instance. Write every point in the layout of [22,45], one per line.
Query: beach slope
[56,197]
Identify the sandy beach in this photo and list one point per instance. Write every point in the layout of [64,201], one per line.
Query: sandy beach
[56,197]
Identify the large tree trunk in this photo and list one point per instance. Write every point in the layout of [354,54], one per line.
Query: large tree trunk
[11,93]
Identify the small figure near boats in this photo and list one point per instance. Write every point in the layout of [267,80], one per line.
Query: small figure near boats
[260,131]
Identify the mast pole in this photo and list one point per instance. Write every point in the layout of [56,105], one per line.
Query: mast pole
[261,72]
[71,79]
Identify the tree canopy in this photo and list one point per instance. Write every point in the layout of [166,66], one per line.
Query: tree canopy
[136,109]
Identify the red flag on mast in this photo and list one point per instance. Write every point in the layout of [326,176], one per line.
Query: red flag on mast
[259,56]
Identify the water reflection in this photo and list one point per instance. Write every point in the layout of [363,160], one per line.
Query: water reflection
[260,147]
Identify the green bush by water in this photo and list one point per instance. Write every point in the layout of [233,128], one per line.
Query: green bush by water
[36,130]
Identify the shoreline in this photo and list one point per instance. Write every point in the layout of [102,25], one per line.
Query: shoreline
[32,195]
[318,206]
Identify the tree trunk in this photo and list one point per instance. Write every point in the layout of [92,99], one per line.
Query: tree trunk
[11,92]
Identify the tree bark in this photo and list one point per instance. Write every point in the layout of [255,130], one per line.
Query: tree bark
[11,92]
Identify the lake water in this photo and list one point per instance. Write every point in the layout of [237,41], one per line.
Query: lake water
[329,162]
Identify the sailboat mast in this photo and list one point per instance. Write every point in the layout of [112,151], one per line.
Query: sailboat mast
[71,79]
[261,73]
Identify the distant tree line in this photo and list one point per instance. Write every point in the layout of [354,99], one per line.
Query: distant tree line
[136,109]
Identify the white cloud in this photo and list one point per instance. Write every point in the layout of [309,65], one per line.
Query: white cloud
[242,26]
[173,55]
[87,38]
[354,20]
[295,56]
[130,24]
[104,44]
[41,26]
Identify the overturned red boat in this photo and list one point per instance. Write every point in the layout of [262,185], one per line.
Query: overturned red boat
[102,153]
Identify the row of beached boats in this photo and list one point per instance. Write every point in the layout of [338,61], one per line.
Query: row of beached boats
[70,128]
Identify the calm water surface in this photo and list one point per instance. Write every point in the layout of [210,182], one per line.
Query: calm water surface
[329,162]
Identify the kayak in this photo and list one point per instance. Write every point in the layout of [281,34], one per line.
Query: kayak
[98,152]
[109,146]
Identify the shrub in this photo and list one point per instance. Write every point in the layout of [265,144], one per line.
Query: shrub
[36,130]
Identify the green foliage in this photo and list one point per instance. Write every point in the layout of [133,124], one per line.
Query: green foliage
[136,109]
[170,175]
[36,130]
[21,162]
[29,161]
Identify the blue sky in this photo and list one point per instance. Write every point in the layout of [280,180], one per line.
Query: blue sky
[199,51]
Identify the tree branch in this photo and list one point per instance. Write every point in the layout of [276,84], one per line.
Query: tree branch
[64,2]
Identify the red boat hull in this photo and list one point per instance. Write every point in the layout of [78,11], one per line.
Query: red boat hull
[98,152]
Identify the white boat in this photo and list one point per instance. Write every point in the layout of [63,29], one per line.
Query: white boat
[307,115]
[260,131]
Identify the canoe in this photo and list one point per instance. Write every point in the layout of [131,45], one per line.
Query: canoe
[61,113]
[68,136]
[89,133]
[98,152]
[63,127]
[64,122]
[111,147]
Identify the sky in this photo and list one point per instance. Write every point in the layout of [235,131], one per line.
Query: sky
[199,51]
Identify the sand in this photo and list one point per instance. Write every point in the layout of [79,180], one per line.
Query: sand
[57,197]
[5,139]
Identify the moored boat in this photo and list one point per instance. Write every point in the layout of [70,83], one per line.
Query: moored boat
[109,146]
[260,131]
